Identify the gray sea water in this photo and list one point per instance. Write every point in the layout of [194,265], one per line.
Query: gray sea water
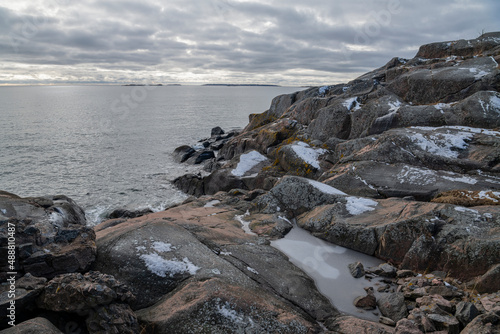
[109,147]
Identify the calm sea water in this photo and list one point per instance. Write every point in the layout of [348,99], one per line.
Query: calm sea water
[110,146]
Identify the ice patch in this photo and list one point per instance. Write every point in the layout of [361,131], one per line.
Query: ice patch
[250,269]
[245,225]
[352,104]
[162,267]
[140,248]
[325,188]
[225,253]
[211,203]
[4,211]
[484,195]
[463,179]
[247,162]
[394,106]
[359,205]
[285,219]
[227,312]
[56,218]
[308,154]
[441,106]
[364,181]
[478,74]
[162,247]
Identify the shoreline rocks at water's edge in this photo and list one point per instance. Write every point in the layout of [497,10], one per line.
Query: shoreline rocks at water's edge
[354,164]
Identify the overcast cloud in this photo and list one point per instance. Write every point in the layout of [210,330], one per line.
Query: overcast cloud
[286,42]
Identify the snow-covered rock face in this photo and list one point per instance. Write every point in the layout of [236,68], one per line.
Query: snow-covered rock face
[248,162]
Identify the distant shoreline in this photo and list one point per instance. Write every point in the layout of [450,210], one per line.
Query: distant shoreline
[239,85]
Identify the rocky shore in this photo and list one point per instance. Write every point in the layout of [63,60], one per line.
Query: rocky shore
[402,163]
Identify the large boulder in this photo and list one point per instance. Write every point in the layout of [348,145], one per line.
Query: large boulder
[51,236]
[37,325]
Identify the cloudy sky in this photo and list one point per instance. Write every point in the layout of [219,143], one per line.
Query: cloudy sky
[286,42]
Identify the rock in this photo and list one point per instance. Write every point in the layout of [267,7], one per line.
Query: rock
[191,184]
[392,306]
[489,281]
[405,326]
[37,325]
[192,247]
[404,273]
[437,300]
[357,270]
[299,158]
[368,302]
[183,153]
[77,293]
[466,312]
[387,321]
[484,323]
[445,322]
[296,195]
[112,318]
[50,234]
[217,131]
[201,156]
[352,325]
[215,306]
[124,213]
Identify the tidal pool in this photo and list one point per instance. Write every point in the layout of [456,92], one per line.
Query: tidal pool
[326,264]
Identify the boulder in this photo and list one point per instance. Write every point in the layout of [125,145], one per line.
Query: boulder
[191,184]
[124,213]
[51,235]
[200,156]
[405,326]
[489,281]
[299,158]
[353,325]
[392,306]
[368,302]
[183,153]
[466,312]
[37,325]
[217,131]
[357,270]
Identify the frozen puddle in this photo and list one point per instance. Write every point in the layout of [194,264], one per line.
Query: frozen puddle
[327,263]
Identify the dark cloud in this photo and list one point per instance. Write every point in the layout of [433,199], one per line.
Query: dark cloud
[280,41]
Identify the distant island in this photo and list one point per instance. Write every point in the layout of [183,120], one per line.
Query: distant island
[238,85]
[133,84]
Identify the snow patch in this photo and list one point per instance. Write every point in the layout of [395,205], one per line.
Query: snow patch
[247,162]
[211,203]
[352,104]
[227,312]
[250,269]
[442,144]
[394,106]
[4,211]
[323,90]
[162,267]
[466,210]
[162,247]
[285,219]
[308,154]
[325,188]
[484,195]
[462,179]
[359,205]
[245,225]
[495,103]
[414,175]
[478,74]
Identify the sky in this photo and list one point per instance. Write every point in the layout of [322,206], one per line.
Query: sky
[283,42]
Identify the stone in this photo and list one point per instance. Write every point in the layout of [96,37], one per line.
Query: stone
[392,306]
[466,312]
[124,213]
[51,235]
[357,270]
[445,322]
[183,153]
[353,325]
[37,325]
[405,326]
[112,318]
[489,281]
[368,302]
[485,323]
[217,131]
[437,300]
[387,321]
[77,293]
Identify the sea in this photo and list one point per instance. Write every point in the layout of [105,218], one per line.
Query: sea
[110,147]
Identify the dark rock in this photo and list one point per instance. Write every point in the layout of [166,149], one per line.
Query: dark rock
[191,184]
[445,322]
[183,153]
[124,213]
[357,270]
[77,293]
[466,312]
[201,156]
[217,131]
[405,326]
[484,323]
[37,325]
[112,318]
[489,281]
[368,302]
[392,306]
[50,233]
[404,273]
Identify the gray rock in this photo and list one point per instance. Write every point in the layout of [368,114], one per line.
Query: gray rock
[368,302]
[466,312]
[387,321]
[217,131]
[183,153]
[485,323]
[33,326]
[392,306]
[357,270]
[445,322]
[112,318]
[406,326]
